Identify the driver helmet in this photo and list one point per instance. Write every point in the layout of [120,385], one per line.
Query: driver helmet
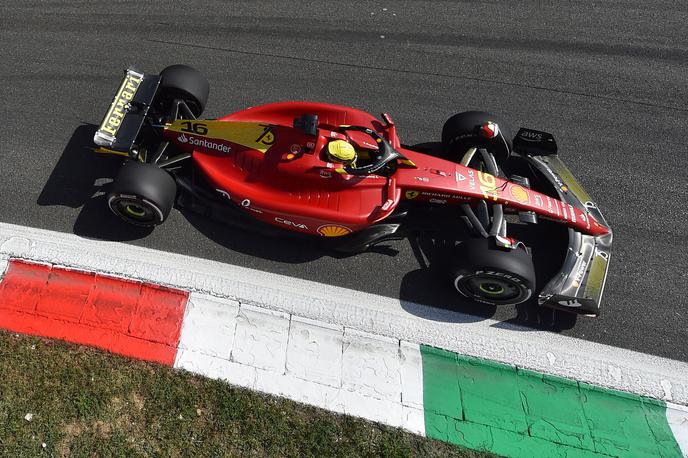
[341,151]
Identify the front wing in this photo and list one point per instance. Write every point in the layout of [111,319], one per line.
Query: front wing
[578,286]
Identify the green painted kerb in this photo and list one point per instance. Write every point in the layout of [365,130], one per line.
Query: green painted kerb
[513,412]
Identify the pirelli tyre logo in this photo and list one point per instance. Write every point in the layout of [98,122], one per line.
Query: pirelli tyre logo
[113,119]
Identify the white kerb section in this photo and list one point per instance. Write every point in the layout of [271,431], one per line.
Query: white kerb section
[309,361]
[677,416]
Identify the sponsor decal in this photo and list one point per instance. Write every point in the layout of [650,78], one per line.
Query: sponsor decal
[286,222]
[438,201]
[519,193]
[325,174]
[585,219]
[267,137]
[208,144]
[115,115]
[459,177]
[422,179]
[245,203]
[438,195]
[310,145]
[538,200]
[563,210]
[500,274]
[556,179]
[471,180]
[388,203]
[412,194]
[295,149]
[531,136]
[578,278]
[488,186]
[333,230]
[552,206]
[572,213]
[570,303]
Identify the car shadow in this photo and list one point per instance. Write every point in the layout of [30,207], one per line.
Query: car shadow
[293,250]
[81,178]
[427,292]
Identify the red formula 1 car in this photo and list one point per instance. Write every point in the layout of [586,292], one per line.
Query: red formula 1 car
[339,173]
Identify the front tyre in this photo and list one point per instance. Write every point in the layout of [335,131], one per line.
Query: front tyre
[485,273]
[142,194]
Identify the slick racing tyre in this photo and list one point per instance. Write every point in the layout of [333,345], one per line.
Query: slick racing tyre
[485,273]
[142,194]
[185,83]
[463,131]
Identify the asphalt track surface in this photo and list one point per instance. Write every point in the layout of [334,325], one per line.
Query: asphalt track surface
[609,79]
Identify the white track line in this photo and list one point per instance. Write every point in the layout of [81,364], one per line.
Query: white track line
[554,354]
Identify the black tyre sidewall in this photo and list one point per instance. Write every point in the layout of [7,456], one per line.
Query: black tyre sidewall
[145,185]
[187,83]
[478,258]
[459,134]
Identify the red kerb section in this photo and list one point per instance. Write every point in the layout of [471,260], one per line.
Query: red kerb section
[131,318]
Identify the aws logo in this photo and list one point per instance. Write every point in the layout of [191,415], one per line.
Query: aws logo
[531,136]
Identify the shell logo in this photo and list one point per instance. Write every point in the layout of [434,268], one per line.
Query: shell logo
[333,230]
[519,193]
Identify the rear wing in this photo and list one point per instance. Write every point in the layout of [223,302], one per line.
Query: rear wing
[579,284]
[125,116]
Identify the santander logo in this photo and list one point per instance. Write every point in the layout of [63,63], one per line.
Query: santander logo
[221,147]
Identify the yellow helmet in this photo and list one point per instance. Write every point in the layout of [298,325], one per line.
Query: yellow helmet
[341,151]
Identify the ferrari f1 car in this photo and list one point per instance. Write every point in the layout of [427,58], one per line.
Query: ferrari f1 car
[339,173]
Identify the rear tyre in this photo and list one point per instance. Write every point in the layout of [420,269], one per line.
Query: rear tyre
[462,131]
[485,273]
[142,194]
[185,83]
